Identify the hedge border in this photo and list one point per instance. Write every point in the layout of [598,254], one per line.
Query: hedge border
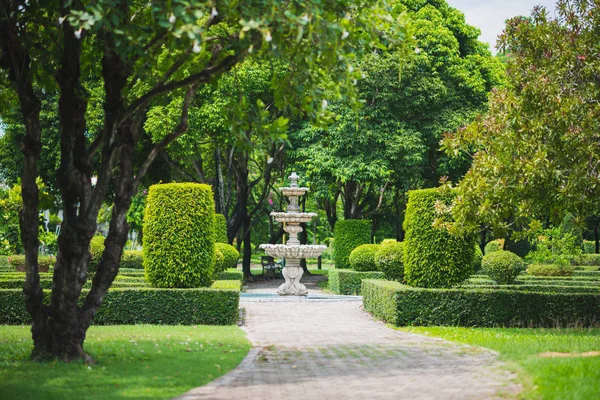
[348,282]
[404,305]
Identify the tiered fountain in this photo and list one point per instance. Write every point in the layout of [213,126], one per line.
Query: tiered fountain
[293,251]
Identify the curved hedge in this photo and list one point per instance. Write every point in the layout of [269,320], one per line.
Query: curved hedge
[389,260]
[502,266]
[349,234]
[230,257]
[220,229]
[178,242]
[362,258]
[433,257]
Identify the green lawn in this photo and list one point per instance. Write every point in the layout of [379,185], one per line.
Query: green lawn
[133,362]
[542,377]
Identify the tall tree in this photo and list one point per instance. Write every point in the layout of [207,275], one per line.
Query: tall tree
[142,52]
[536,153]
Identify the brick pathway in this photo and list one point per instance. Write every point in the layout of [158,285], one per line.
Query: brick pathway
[309,349]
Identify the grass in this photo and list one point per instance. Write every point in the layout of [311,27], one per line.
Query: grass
[134,362]
[564,378]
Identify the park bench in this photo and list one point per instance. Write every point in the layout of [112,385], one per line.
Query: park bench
[270,267]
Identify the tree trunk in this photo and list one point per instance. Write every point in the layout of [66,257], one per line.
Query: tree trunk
[247,257]
[482,239]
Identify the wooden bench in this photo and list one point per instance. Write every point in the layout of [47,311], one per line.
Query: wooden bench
[270,267]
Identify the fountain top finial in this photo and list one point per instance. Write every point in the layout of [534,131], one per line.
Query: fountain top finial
[293,179]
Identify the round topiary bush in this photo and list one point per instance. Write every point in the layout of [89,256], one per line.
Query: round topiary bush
[219,258]
[550,270]
[433,256]
[362,258]
[132,259]
[389,260]
[230,257]
[220,229]
[349,234]
[96,249]
[178,242]
[502,266]
[494,245]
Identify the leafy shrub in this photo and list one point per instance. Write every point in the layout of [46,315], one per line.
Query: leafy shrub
[132,259]
[347,281]
[521,247]
[494,245]
[230,257]
[178,242]
[502,266]
[572,225]
[44,262]
[433,256]
[554,246]
[477,258]
[230,275]
[219,258]
[387,241]
[49,240]
[96,249]
[592,260]
[362,258]
[220,229]
[389,260]
[589,247]
[550,270]
[227,285]
[349,234]
[4,265]
[404,305]
[142,306]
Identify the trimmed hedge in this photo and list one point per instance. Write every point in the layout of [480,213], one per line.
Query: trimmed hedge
[539,288]
[404,305]
[178,242]
[389,260]
[230,275]
[502,266]
[362,258]
[47,283]
[230,257]
[550,270]
[348,282]
[591,260]
[349,234]
[17,262]
[220,229]
[143,306]
[132,259]
[96,249]
[433,257]
[4,262]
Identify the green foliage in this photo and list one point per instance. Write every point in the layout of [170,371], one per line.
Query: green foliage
[228,284]
[502,266]
[230,275]
[135,215]
[218,260]
[349,234]
[550,270]
[362,258]
[477,258]
[404,305]
[96,249]
[554,245]
[574,226]
[18,262]
[132,259]
[494,245]
[178,239]
[143,306]
[535,146]
[49,240]
[347,281]
[589,247]
[389,260]
[230,257]
[587,259]
[433,255]
[220,229]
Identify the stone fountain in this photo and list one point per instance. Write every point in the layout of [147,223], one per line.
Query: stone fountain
[293,251]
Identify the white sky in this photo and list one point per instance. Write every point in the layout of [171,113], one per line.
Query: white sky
[489,15]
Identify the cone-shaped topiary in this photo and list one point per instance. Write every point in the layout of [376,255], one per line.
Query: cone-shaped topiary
[433,256]
[362,258]
[349,234]
[502,266]
[178,242]
[220,229]
[389,260]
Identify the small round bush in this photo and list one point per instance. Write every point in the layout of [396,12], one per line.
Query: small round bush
[493,246]
[362,258]
[96,249]
[220,229]
[502,266]
[132,259]
[219,258]
[388,260]
[349,234]
[550,270]
[230,257]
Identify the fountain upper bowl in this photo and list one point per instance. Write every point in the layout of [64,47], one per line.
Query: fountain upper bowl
[294,251]
[293,217]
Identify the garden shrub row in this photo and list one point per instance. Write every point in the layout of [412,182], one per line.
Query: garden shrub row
[230,275]
[349,234]
[404,305]
[227,284]
[540,288]
[132,259]
[348,282]
[143,306]
[47,283]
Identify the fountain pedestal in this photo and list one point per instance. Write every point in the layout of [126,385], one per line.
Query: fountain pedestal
[293,251]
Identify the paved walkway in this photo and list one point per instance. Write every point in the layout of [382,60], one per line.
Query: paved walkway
[311,349]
